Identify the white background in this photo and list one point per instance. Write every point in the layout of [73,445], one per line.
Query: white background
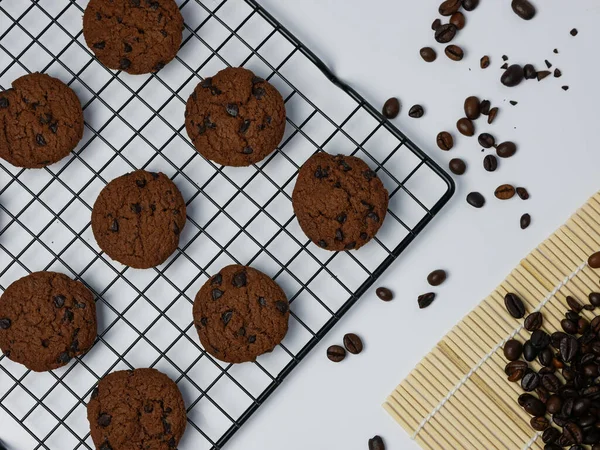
[374,46]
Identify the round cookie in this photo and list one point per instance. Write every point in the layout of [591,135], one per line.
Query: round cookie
[139,409]
[137,36]
[41,121]
[46,319]
[240,313]
[235,118]
[339,201]
[138,217]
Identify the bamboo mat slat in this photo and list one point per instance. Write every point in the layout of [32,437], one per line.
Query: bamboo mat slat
[458,396]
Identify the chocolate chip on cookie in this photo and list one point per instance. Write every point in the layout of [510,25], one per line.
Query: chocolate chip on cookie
[339,201]
[235,118]
[41,121]
[136,36]
[46,319]
[138,217]
[240,313]
[136,409]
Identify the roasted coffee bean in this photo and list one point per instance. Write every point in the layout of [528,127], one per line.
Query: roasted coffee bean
[470,5]
[529,72]
[454,52]
[513,350]
[457,166]
[594,261]
[458,20]
[484,63]
[533,321]
[523,8]
[539,423]
[530,381]
[391,108]
[530,352]
[515,370]
[449,7]
[581,406]
[492,115]
[445,33]
[376,443]
[384,294]
[574,304]
[485,107]
[425,300]
[514,305]
[550,435]
[465,126]
[540,339]
[428,54]
[472,107]
[336,353]
[506,149]
[445,141]
[525,221]
[486,140]
[436,277]
[541,391]
[594,298]
[569,326]
[533,406]
[512,76]
[504,192]
[595,324]
[582,325]
[545,358]
[476,200]
[573,433]
[551,382]
[436,24]
[568,348]
[416,111]
[490,163]
[524,398]
[522,193]
[555,338]
[554,404]
[353,343]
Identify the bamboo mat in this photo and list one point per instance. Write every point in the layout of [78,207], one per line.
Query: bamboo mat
[458,396]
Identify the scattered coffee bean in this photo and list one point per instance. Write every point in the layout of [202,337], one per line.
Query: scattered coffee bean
[574,304]
[523,8]
[336,353]
[485,107]
[533,406]
[594,298]
[425,300]
[492,115]
[529,71]
[512,76]
[484,63]
[522,193]
[557,73]
[594,261]
[539,423]
[476,200]
[513,350]
[530,381]
[472,107]
[504,192]
[548,63]
[457,166]
[353,343]
[376,443]
[533,321]
[445,141]
[454,52]
[525,221]
[436,24]
[574,32]
[486,140]
[490,163]
[465,126]
[529,351]
[506,149]
[391,108]
[416,111]
[470,5]
[458,20]
[445,33]
[449,7]
[514,305]
[542,74]
[384,294]
[428,54]
[436,277]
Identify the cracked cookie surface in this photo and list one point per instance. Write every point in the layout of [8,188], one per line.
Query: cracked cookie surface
[41,121]
[138,217]
[240,313]
[139,409]
[235,118]
[339,201]
[46,319]
[136,36]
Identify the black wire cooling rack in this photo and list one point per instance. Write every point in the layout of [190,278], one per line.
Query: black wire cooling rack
[234,215]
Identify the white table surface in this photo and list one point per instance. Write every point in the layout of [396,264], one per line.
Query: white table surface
[374,46]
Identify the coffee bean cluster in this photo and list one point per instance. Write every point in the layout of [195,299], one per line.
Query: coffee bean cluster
[352,344]
[563,396]
[514,74]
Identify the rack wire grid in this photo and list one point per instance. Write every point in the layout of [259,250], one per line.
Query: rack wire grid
[235,215]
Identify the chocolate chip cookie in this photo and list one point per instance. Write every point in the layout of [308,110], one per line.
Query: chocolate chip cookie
[139,409]
[235,118]
[41,121]
[46,319]
[240,313]
[138,217]
[339,201]
[137,36]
